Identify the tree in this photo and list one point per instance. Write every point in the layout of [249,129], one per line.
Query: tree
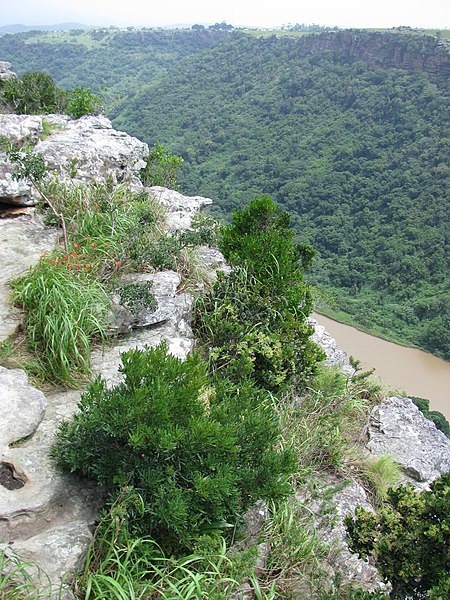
[409,538]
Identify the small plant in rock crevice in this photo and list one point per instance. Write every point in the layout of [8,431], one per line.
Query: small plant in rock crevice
[137,296]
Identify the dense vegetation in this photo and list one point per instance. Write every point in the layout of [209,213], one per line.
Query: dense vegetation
[408,537]
[184,448]
[356,153]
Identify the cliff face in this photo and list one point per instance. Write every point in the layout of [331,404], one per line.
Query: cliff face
[402,51]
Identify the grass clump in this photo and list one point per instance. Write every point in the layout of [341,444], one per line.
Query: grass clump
[16,580]
[379,474]
[119,566]
[65,313]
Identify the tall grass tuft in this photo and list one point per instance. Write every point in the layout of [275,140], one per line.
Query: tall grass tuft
[120,567]
[16,580]
[65,311]
[379,474]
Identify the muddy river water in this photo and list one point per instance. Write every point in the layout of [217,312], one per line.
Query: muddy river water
[405,370]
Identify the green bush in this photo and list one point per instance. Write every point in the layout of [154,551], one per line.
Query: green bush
[197,456]
[37,93]
[137,296]
[81,101]
[253,321]
[408,537]
[162,168]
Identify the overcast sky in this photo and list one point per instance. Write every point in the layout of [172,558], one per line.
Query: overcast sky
[265,13]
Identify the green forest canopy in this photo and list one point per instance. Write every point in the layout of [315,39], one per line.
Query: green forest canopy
[357,153]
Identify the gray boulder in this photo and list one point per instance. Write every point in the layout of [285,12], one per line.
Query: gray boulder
[329,518]
[169,323]
[397,427]
[21,130]
[78,151]
[335,356]
[180,209]
[23,407]
[5,73]
[90,150]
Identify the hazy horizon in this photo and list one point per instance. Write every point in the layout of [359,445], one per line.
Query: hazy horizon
[347,13]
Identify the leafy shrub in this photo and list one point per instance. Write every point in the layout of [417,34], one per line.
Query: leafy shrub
[37,93]
[408,537]
[254,319]
[137,296]
[197,456]
[81,101]
[162,167]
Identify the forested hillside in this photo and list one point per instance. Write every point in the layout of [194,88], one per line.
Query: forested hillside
[120,62]
[357,151]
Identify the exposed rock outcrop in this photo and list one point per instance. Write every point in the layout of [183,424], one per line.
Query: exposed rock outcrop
[5,73]
[397,427]
[49,518]
[79,151]
[180,209]
[329,517]
[382,49]
[335,356]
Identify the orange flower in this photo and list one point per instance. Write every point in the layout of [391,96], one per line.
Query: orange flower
[75,246]
[118,264]
[69,266]
[65,256]
[93,244]
[74,255]
[88,238]
[88,266]
[107,244]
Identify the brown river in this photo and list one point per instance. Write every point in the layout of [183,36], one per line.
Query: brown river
[405,370]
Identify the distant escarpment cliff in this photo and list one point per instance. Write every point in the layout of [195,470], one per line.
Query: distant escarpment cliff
[384,49]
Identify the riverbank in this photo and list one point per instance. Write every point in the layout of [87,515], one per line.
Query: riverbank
[405,370]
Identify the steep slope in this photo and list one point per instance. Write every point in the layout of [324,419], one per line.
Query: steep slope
[120,62]
[357,152]
[346,129]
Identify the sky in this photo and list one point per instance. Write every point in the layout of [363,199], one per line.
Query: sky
[263,13]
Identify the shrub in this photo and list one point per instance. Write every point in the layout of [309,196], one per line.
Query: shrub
[81,101]
[254,319]
[137,296]
[162,168]
[197,456]
[408,537]
[37,93]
